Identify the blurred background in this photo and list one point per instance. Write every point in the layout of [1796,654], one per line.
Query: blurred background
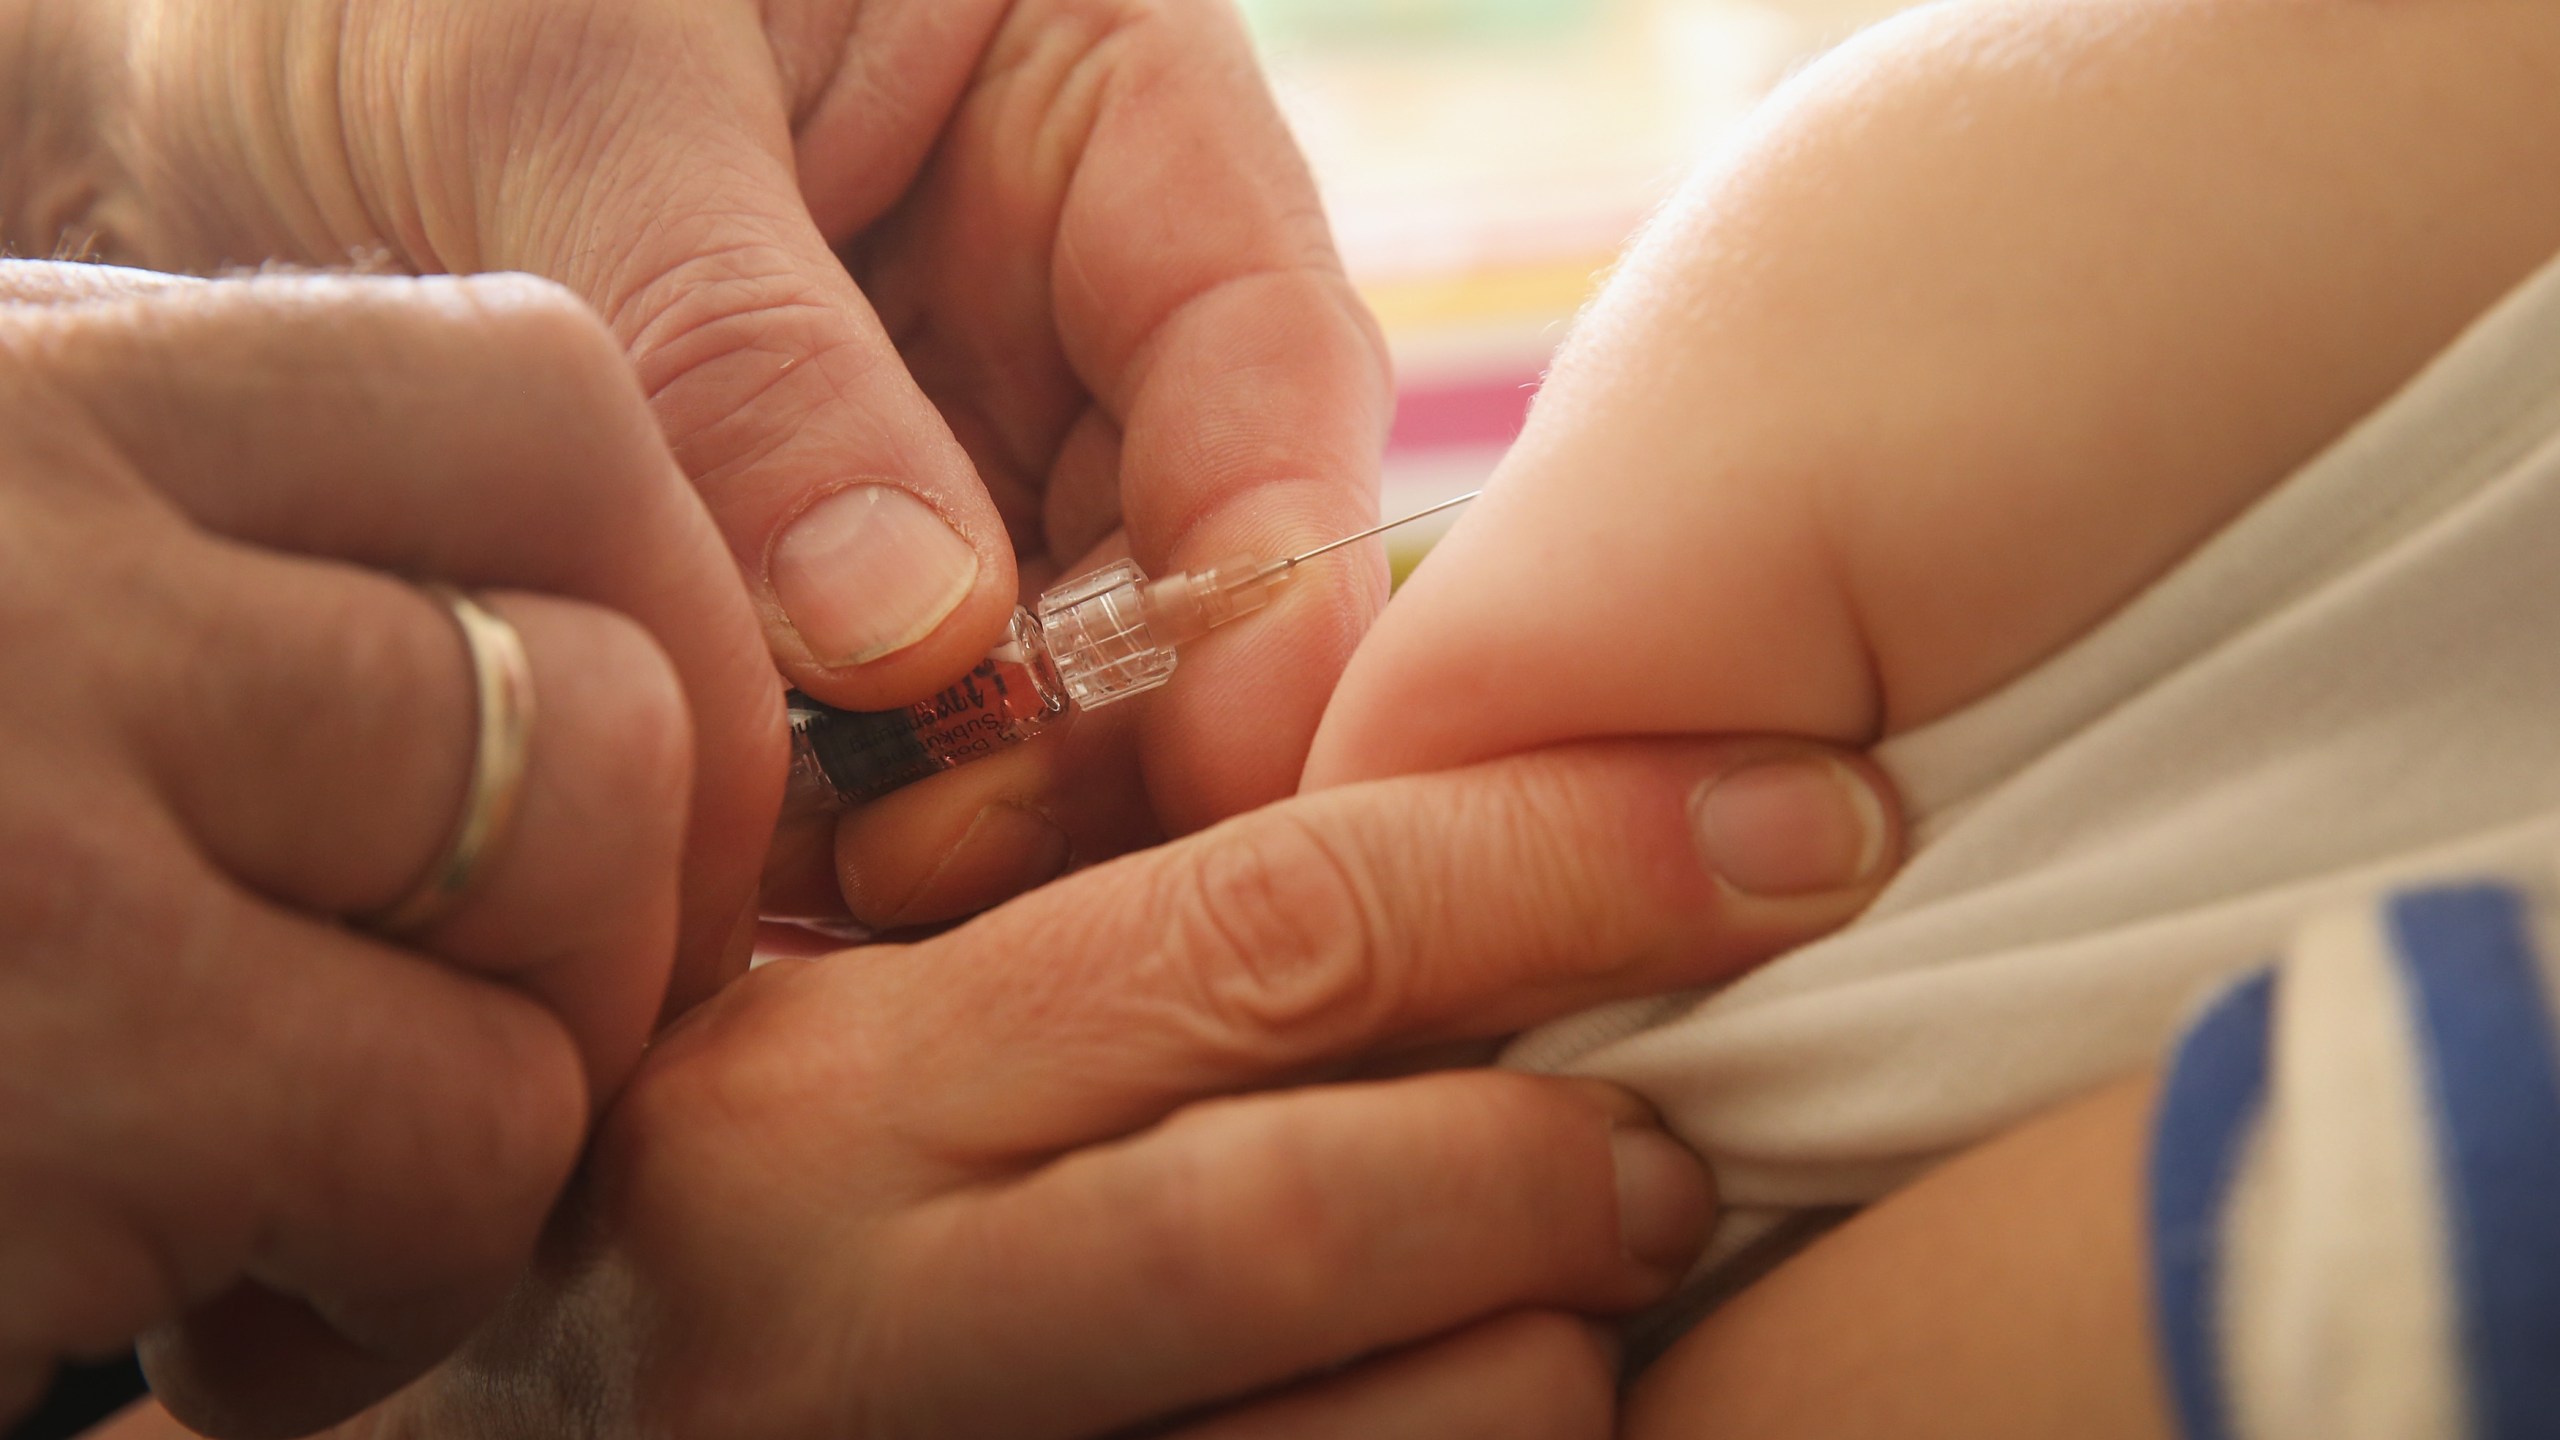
[1483,161]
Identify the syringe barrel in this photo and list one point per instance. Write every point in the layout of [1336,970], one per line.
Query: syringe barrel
[1098,639]
[847,757]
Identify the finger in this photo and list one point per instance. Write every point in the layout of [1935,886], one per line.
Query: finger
[955,844]
[1537,1375]
[58,282]
[959,843]
[1250,386]
[977,836]
[372,1135]
[144,1420]
[1460,904]
[313,725]
[1120,277]
[1250,1242]
[880,570]
[252,1362]
[484,432]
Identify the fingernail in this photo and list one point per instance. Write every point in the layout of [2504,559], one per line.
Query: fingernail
[1798,826]
[869,571]
[1664,1199]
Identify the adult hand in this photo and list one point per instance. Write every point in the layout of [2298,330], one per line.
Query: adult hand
[972,1187]
[920,289]
[227,726]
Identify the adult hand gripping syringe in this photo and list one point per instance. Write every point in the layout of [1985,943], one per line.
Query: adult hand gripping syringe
[1095,640]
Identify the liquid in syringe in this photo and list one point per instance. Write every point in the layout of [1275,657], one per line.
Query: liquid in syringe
[1094,640]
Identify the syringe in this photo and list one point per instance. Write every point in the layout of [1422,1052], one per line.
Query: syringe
[1095,640]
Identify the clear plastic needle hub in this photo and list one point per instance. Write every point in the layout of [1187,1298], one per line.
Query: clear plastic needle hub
[1113,633]
[1095,640]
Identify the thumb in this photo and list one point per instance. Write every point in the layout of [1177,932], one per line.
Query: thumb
[1465,904]
[878,564]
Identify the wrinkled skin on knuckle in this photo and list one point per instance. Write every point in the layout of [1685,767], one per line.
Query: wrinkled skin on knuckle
[1541,839]
[1036,36]
[1276,934]
[522,56]
[708,337]
[1057,65]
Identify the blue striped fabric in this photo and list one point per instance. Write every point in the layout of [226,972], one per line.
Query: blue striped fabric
[2481,1022]
[2486,1024]
[2212,1099]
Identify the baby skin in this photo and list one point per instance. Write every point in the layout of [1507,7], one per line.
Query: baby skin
[1989,319]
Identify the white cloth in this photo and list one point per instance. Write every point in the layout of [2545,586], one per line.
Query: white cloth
[2354,685]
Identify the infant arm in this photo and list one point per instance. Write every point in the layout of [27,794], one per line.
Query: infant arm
[2003,1296]
[1987,320]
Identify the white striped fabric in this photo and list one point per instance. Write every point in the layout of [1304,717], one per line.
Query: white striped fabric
[2356,1182]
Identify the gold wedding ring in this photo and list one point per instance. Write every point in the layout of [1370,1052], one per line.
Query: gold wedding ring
[504,679]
